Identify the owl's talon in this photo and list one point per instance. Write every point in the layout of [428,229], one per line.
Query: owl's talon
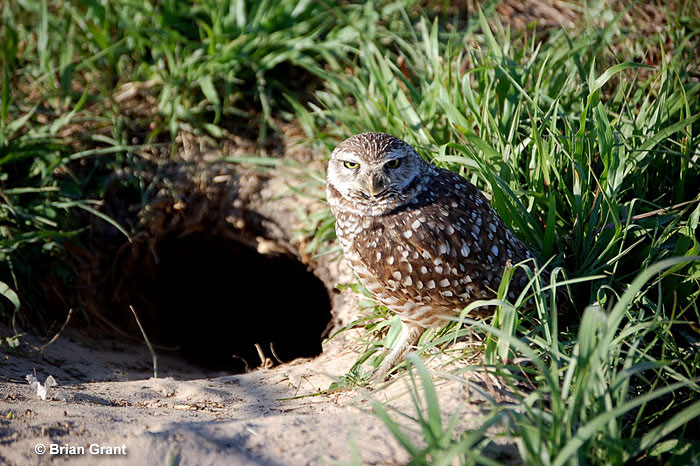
[410,334]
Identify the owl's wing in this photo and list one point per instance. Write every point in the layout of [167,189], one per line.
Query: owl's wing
[449,248]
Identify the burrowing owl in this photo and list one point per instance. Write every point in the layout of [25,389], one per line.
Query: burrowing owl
[423,240]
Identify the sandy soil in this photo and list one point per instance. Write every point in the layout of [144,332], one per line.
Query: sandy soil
[107,397]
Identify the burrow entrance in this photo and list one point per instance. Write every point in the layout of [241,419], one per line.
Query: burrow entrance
[212,299]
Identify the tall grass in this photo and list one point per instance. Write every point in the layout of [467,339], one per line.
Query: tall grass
[587,404]
[592,157]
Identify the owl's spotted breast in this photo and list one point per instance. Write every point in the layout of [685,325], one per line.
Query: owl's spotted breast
[433,255]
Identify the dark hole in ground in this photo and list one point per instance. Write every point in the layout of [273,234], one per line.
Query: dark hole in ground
[214,298]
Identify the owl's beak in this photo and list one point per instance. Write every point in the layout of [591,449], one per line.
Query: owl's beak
[376,184]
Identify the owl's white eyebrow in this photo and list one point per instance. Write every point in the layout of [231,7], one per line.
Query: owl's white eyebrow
[347,156]
[393,155]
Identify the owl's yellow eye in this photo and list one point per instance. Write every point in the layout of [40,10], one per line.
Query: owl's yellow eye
[394,163]
[350,165]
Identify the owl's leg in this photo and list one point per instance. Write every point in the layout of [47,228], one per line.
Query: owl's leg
[410,333]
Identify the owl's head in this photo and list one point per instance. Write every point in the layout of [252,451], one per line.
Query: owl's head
[374,170]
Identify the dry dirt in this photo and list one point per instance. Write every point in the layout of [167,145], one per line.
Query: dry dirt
[107,396]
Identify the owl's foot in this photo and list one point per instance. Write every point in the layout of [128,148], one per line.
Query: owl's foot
[410,334]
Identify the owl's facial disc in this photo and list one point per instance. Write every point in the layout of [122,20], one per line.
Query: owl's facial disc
[374,173]
[362,178]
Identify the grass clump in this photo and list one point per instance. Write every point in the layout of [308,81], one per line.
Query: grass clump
[444,443]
